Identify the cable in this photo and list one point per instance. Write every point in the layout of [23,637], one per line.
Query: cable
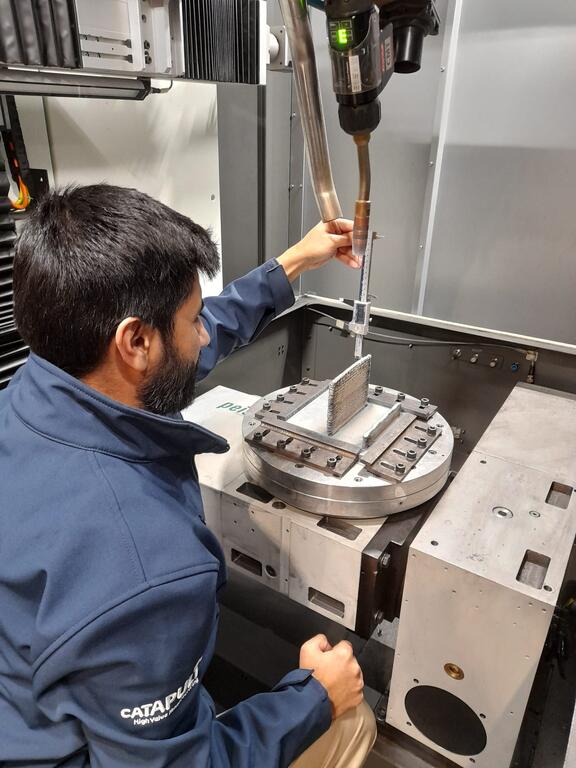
[382,338]
[163,90]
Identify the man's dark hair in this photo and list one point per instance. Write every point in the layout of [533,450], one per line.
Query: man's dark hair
[90,256]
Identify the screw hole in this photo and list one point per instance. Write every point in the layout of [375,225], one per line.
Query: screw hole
[483,716]
[408,723]
[358,479]
[482,461]
[434,543]
[270,571]
[416,681]
[278,505]
[547,588]
[299,466]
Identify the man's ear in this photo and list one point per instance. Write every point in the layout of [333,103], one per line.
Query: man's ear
[133,340]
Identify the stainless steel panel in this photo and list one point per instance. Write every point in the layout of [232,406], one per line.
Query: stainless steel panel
[241,125]
[504,240]
[277,158]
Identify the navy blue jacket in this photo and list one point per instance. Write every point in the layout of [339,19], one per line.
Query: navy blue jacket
[109,577]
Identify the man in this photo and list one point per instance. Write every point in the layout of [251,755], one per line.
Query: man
[108,574]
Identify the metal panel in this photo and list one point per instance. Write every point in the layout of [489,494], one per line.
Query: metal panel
[466,571]
[278,148]
[505,234]
[241,126]
[256,172]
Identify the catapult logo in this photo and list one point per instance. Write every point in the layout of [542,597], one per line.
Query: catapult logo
[154,711]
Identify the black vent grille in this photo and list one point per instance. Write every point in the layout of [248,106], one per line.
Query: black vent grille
[221,40]
[39,33]
[13,351]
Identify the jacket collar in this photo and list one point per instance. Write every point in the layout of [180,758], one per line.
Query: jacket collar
[64,409]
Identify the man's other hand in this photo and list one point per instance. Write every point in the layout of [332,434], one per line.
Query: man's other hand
[337,670]
[326,241]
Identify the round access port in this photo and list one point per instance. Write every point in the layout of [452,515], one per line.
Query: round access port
[446,720]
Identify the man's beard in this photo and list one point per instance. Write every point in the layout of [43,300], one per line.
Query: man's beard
[170,388]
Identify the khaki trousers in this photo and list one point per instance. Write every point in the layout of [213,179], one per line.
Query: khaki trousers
[345,744]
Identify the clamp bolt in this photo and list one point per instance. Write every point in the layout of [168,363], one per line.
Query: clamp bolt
[422,442]
[306,452]
[378,390]
[305,381]
[400,468]
[280,398]
[411,454]
[281,443]
[293,388]
[424,402]
[266,406]
[258,435]
[432,429]
[400,396]
[332,461]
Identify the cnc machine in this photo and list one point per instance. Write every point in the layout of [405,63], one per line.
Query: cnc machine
[352,499]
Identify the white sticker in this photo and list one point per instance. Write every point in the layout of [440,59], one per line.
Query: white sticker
[355,77]
[388,53]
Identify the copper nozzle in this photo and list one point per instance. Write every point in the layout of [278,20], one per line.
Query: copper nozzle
[361,227]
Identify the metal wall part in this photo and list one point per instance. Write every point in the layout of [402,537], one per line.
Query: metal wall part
[467,571]
[502,250]
[347,394]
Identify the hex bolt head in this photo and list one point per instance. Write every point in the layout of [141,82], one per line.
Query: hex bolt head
[332,461]
[411,454]
[280,398]
[422,442]
[400,468]
[266,406]
[432,429]
[400,396]
[424,402]
[378,390]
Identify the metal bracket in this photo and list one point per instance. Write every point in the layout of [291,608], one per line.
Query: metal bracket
[401,455]
[302,450]
[278,50]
